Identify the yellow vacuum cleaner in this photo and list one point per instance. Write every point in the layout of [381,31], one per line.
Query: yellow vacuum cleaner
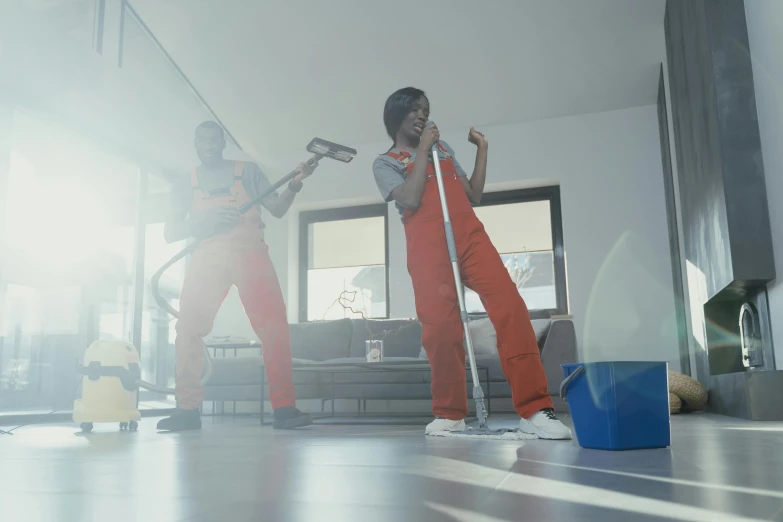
[109,386]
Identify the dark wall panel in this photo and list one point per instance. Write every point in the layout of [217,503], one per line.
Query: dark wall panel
[740,143]
[723,201]
[695,123]
[722,188]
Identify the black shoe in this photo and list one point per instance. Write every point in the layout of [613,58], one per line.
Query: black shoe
[181,420]
[288,418]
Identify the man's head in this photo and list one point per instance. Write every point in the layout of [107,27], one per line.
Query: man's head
[210,141]
[405,113]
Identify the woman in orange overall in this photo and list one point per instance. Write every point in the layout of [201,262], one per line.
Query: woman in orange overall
[405,174]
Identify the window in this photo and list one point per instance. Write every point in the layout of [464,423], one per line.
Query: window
[157,328]
[343,259]
[526,228]
[68,248]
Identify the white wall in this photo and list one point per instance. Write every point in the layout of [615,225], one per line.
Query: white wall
[765,33]
[608,166]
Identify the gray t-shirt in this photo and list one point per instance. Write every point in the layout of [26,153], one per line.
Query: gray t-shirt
[390,173]
[213,179]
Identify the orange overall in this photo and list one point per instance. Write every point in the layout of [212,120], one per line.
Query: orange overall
[236,257]
[438,308]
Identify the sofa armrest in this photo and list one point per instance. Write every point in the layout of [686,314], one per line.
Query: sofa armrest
[559,348]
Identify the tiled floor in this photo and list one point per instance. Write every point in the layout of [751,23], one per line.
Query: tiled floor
[234,470]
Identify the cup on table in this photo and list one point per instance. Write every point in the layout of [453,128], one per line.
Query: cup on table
[374,351]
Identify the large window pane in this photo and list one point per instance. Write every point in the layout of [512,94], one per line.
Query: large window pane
[67,261]
[346,266]
[157,327]
[349,242]
[336,293]
[534,275]
[115,318]
[522,234]
[518,227]
[21,376]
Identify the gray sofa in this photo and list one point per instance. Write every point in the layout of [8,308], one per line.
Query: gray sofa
[238,378]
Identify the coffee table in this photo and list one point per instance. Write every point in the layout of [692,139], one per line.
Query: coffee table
[229,343]
[362,367]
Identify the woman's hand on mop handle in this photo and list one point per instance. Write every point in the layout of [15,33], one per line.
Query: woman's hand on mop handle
[429,137]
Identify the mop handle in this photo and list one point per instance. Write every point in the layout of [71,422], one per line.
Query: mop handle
[463,312]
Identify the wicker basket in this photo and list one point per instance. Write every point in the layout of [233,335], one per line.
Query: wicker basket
[691,394]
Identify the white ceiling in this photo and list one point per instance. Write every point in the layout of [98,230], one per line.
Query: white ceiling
[280,72]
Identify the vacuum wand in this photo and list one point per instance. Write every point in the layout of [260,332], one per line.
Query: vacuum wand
[478,392]
[312,163]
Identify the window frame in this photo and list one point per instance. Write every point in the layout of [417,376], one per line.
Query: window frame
[529,195]
[306,218]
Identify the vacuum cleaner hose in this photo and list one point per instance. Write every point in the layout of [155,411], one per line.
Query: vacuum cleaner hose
[164,304]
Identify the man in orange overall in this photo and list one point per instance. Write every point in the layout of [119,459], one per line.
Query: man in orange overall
[405,174]
[205,204]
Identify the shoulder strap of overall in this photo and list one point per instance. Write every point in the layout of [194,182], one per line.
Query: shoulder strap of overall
[396,155]
[403,157]
[400,156]
[239,185]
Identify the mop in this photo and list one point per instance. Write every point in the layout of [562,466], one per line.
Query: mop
[482,430]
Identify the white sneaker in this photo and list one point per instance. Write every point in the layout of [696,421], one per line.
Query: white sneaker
[444,425]
[545,425]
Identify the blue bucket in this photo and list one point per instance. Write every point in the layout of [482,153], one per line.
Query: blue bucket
[619,405]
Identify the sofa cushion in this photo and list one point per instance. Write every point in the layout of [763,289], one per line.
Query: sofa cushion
[541,327]
[484,336]
[321,340]
[491,363]
[401,337]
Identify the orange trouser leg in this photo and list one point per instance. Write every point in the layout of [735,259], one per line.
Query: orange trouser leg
[262,298]
[206,285]
[483,271]
[438,311]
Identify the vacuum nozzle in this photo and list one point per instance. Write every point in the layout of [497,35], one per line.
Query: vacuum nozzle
[331,150]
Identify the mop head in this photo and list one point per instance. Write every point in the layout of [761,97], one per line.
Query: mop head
[485,434]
